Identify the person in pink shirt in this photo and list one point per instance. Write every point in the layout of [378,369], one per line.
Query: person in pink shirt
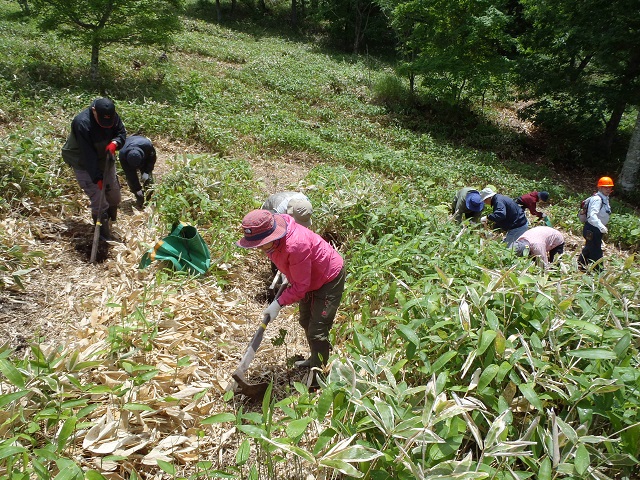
[314,269]
[542,242]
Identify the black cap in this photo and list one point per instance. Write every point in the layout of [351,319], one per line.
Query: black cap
[106,111]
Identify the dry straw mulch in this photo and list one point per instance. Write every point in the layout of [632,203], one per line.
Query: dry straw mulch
[124,318]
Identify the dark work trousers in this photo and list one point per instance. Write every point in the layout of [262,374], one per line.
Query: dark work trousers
[112,196]
[317,312]
[592,251]
[555,251]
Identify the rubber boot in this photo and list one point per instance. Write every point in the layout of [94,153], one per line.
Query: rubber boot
[139,200]
[113,212]
[318,359]
[105,229]
[303,363]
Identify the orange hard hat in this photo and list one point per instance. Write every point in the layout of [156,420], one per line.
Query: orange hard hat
[605,182]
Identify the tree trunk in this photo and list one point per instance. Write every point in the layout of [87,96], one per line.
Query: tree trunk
[612,127]
[218,11]
[631,74]
[629,175]
[294,13]
[95,54]
[357,28]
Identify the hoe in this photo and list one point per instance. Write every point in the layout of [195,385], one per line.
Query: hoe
[256,390]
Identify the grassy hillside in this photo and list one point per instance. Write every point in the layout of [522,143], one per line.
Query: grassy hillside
[453,358]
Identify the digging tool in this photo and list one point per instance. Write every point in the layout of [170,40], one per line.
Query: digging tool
[96,230]
[253,390]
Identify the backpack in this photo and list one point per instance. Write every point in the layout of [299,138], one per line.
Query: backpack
[584,209]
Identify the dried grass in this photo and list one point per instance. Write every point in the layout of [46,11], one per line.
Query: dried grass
[69,303]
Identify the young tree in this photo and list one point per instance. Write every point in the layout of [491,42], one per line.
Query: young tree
[96,23]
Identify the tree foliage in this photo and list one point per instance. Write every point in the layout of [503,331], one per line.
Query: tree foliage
[582,62]
[458,48]
[353,25]
[97,23]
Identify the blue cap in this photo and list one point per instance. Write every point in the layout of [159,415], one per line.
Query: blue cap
[135,156]
[544,196]
[474,201]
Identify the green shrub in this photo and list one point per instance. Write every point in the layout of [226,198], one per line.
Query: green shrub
[32,170]
[390,90]
[625,229]
[208,192]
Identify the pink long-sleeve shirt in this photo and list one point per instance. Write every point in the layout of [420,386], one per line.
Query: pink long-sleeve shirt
[542,240]
[307,260]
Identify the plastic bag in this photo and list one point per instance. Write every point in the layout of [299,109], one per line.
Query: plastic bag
[184,248]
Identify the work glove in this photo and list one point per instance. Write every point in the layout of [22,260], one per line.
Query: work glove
[604,230]
[272,310]
[483,219]
[111,148]
[145,176]
[99,183]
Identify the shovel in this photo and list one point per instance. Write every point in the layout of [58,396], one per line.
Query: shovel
[96,230]
[256,390]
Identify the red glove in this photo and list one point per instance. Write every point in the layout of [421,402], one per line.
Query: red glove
[111,148]
[99,182]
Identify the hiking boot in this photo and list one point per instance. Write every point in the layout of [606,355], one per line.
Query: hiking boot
[303,363]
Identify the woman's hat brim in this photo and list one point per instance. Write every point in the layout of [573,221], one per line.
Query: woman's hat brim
[279,232]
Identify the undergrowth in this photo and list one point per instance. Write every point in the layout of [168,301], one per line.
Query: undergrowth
[453,358]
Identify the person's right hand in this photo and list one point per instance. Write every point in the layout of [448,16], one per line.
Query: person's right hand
[604,230]
[483,219]
[145,176]
[99,183]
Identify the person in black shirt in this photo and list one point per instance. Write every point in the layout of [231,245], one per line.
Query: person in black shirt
[96,133]
[138,156]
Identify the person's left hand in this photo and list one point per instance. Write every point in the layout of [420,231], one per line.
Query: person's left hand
[272,310]
[483,219]
[111,148]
